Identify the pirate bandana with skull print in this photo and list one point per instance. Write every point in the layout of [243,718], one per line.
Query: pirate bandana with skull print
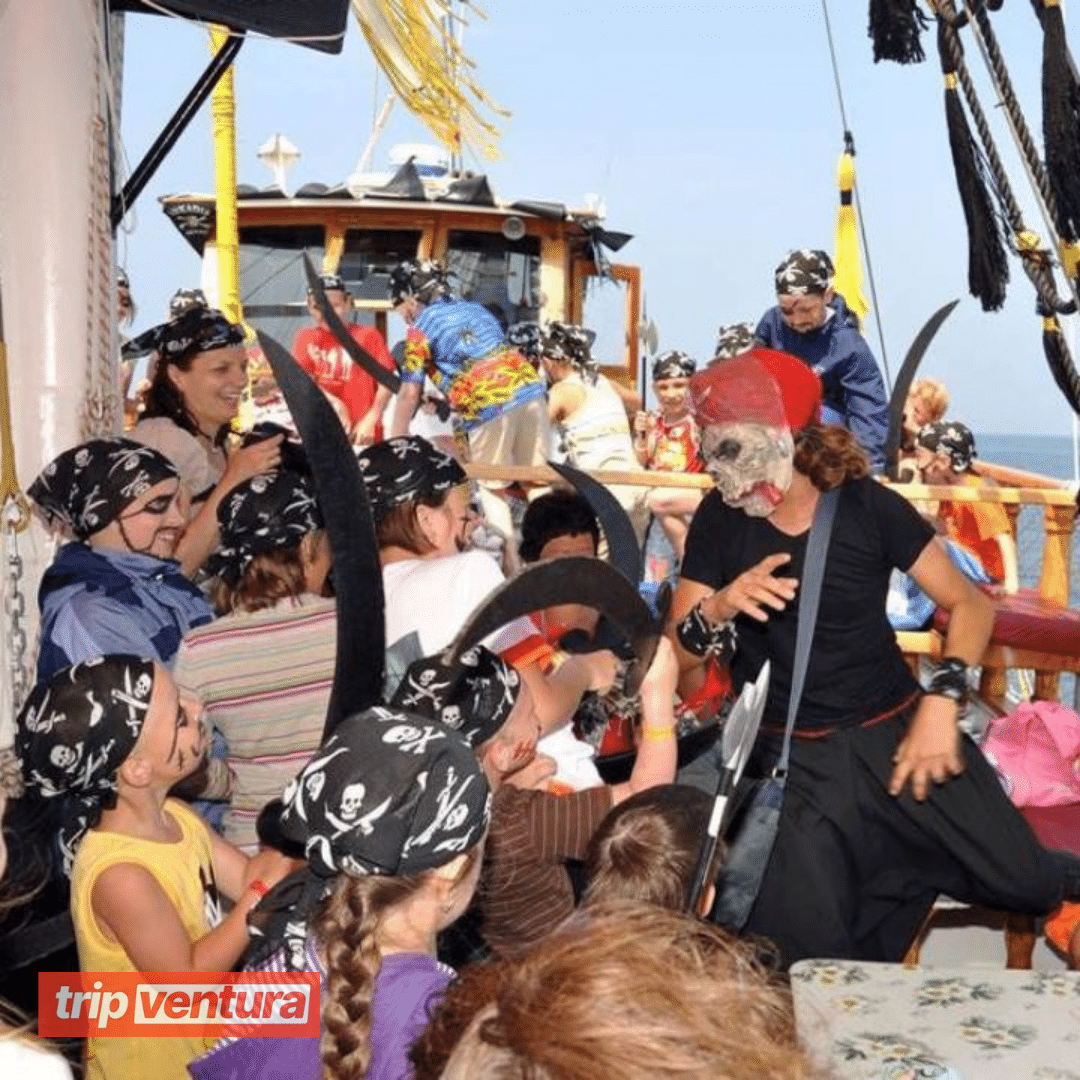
[388,793]
[75,731]
[734,340]
[196,329]
[266,513]
[951,438]
[569,344]
[89,486]
[474,697]
[406,469]
[425,279]
[748,409]
[804,271]
[184,300]
[673,364]
[527,338]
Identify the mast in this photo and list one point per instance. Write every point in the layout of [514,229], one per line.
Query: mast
[223,111]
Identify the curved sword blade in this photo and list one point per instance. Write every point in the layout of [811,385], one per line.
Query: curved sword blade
[898,398]
[361,624]
[624,552]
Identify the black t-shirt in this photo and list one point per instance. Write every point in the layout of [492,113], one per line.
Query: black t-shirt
[856,670]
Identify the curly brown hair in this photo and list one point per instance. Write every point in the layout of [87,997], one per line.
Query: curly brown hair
[829,456]
[627,990]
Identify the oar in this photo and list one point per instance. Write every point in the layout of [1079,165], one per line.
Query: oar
[903,384]
[340,331]
[740,732]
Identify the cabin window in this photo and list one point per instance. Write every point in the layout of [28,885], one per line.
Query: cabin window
[501,274]
[273,288]
[370,255]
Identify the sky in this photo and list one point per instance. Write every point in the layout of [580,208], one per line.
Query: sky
[710,130]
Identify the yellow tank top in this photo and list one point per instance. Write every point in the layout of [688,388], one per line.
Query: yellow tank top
[185,871]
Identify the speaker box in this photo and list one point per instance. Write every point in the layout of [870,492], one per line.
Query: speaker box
[274,18]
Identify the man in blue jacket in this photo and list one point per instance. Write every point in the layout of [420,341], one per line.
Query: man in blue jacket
[812,321]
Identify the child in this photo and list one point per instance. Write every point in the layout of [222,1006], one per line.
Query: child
[527,890]
[927,402]
[263,670]
[944,452]
[392,811]
[106,740]
[667,441]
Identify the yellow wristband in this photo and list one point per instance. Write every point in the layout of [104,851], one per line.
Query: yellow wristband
[657,734]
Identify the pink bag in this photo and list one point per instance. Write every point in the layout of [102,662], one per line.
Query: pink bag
[1036,752]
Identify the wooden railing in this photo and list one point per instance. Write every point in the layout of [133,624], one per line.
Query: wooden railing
[1016,489]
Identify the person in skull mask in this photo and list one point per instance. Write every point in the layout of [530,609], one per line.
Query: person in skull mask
[813,322]
[116,588]
[859,858]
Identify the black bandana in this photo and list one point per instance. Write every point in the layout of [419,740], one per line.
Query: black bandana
[734,340]
[74,733]
[804,271]
[268,512]
[527,338]
[388,794]
[90,486]
[423,278]
[474,696]
[673,364]
[331,283]
[184,300]
[198,329]
[569,344]
[952,438]
[404,470]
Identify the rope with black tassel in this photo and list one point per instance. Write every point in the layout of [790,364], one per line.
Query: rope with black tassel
[988,267]
[1027,245]
[895,29]
[1061,122]
[1060,218]
[1060,361]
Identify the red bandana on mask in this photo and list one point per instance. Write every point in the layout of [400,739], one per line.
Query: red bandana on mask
[762,386]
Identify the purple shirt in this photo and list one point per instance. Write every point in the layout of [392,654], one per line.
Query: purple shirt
[407,989]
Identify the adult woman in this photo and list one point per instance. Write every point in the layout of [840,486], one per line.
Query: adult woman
[263,670]
[193,397]
[868,857]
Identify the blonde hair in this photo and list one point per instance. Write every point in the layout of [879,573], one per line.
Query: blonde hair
[627,990]
[345,928]
[933,395]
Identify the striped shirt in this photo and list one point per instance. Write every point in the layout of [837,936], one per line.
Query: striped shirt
[526,891]
[265,679]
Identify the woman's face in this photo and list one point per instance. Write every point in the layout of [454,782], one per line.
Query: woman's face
[212,386]
[448,527]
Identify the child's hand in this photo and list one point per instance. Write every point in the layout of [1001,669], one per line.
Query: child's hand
[269,867]
[641,424]
[535,775]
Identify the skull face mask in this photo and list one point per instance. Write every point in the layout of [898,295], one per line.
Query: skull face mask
[751,464]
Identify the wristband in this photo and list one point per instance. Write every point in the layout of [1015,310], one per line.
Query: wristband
[950,680]
[657,734]
[258,887]
[702,638]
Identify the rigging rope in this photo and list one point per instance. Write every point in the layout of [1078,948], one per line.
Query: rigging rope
[849,142]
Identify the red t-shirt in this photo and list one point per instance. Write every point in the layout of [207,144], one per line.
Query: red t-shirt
[317,351]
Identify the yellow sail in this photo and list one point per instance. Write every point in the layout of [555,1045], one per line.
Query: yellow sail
[428,69]
[848,279]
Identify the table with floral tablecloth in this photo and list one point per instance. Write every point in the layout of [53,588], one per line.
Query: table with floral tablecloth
[866,1021]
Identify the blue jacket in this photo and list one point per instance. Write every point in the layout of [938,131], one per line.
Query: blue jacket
[97,602]
[838,353]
